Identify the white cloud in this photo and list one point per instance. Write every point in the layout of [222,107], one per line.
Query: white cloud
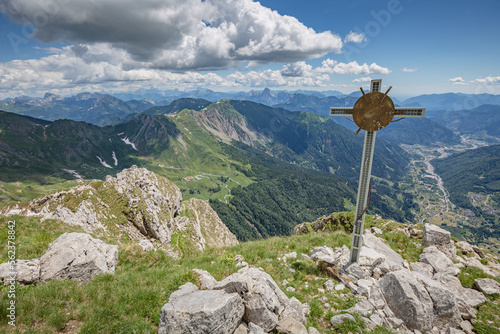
[330,66]
[487,80]
[353,37]
[458,81]
[409,70]
[364,79]
[177,34]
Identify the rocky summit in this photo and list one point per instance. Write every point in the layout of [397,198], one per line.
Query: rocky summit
[136,204]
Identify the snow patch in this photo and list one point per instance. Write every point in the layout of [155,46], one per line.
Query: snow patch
[73,173]
[103,162]
[128,142]
[115,159]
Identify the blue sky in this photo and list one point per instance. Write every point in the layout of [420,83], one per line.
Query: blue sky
[418,47]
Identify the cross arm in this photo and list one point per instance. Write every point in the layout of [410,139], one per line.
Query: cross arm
[341,111]
[410,112]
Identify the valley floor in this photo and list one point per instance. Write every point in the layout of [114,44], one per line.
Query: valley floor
[432,196]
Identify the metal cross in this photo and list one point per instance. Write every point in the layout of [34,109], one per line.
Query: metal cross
[371,112]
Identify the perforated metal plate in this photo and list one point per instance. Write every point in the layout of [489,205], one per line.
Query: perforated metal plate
[373,111]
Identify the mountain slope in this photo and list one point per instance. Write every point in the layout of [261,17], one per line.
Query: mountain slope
[473,180]
[300,138]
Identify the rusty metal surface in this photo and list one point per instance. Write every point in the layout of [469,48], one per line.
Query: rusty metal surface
[373,111]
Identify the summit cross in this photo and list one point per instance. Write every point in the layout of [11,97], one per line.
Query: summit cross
[371,112]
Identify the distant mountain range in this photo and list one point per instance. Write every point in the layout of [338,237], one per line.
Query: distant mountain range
[284,156]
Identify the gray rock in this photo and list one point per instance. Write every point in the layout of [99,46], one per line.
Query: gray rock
[446,310]
[146,245]
[487,270]
[292,255]
[342,255]
[313,330]
[364,308]
[377,297]
[422,268]
[340,318]
[393,259]
[408,299]
[354,270]
[467,327]
[435,236]
[255,329]
[329,285]
[204,280]
[487,285]
[264,301]
[290,289]
[470,297]
[77,256]
[370,325]
[478,251]
[376,230]
[241,329]
[454,331]
[210,311]
[439,261]
[296,310]
[24,272]
[466,248]
[323,253]
[369,257]
[289,325]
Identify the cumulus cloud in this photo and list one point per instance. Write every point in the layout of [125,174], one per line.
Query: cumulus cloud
[353,37]
[330,66]
[364,79]
[487,80]
[457,81]
[176,34]
[409,70]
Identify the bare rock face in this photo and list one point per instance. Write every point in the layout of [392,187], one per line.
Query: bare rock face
[408,299]
[438,260]
[393,259]
[435,236]
[153,202]
[195,311]
[77,256]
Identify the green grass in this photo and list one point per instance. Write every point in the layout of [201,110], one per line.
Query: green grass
[130,300]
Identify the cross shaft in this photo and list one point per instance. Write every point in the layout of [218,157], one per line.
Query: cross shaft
[366,163]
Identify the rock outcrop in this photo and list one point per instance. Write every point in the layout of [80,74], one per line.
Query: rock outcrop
[424,296]
[246,301]
[75,256]
[146,207]
[435,236]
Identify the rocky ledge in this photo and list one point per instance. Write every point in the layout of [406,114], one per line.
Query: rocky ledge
[138,204]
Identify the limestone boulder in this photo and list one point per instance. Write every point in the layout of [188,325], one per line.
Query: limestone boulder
[436,236]
[439,261]
[206,312]
[264,301]
[466,296]
[77,256]
[487,270]
[204,280]
[24,272]
[370,258]
[290,325]
[393,259]
[445,305]
[422,268]
[408,299]
[487,286]
[323,253]
[340,318]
